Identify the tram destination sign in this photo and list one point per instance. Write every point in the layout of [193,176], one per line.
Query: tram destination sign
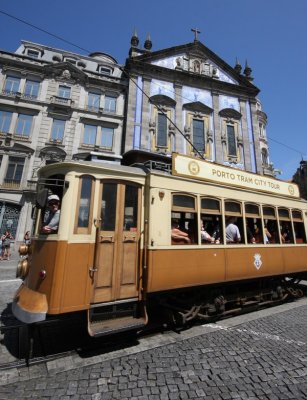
[204,170]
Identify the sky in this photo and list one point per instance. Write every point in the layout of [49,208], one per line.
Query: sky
[270,34]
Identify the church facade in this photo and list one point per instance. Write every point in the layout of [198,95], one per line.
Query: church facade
[186,99]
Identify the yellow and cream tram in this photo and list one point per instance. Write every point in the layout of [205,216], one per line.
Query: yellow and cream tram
[114,254]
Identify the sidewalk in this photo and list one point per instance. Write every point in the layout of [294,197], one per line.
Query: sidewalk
[8,268]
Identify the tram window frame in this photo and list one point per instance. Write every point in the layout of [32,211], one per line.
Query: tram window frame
[271,224]
[253,224]
[84,229]
[286,228]
[53,184]
[131,210]
[212,221]
[298,226]
[239,220]
[181,215]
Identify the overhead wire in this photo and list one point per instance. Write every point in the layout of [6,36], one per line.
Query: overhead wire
[134,82]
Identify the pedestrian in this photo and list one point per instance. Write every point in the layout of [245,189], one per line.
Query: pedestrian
[27,238]
[6,245]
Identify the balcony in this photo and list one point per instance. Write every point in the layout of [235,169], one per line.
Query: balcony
[61,101]
[10,184]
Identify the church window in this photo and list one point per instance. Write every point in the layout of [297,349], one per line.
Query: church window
[264,157]
[198,135]
[231,141]
[261,130]
[162,130]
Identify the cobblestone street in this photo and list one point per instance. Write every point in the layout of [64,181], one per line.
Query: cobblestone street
[262,355]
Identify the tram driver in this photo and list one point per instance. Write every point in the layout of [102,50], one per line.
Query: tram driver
[51,220]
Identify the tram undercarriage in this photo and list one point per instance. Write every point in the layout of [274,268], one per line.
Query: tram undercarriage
[209,303]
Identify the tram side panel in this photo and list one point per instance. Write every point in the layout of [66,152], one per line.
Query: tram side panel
[182,266]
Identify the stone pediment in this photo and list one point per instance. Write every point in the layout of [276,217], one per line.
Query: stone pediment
[161,99]
[52,153]
[65,72]
[230,113]
[195,59]
[198,106]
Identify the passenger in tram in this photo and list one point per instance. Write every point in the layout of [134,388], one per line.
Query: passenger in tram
[216,232]
[267,235]
[232,231]
[205,237]
[52,218]
[177,234]
[285,233]
[250,235]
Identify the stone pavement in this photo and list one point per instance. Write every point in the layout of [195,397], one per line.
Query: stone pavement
[262,355]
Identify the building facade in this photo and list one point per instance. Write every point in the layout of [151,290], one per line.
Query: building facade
[186,99]
[57,105]
[54,106]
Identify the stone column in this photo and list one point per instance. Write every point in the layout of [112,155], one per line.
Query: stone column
[178,137]
[245,135]
[218,150]
[145,116]
[131,110]
[255,127]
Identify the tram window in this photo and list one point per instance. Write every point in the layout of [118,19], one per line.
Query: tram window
[211,221]
[270,225]
[299,228]
[254,232]
[234,220]
[184,220]
[49,218]
[84,205]
[131,208]
[108,209]
[285,226]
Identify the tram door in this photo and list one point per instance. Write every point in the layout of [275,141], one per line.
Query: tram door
[117,242]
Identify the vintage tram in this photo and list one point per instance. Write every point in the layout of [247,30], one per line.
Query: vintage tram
[114,256]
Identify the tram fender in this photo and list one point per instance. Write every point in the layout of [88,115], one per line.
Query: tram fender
[29,306]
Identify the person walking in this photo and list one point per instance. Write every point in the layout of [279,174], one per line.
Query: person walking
[6,239]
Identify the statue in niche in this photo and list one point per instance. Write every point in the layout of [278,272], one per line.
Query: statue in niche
[196,67]
[179,63]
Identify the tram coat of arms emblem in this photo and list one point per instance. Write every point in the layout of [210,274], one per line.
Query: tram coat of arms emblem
[257,260]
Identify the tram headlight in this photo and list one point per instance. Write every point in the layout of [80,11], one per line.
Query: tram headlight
[24,249]
[22,268]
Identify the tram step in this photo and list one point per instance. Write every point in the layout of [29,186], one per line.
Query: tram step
[106,327]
